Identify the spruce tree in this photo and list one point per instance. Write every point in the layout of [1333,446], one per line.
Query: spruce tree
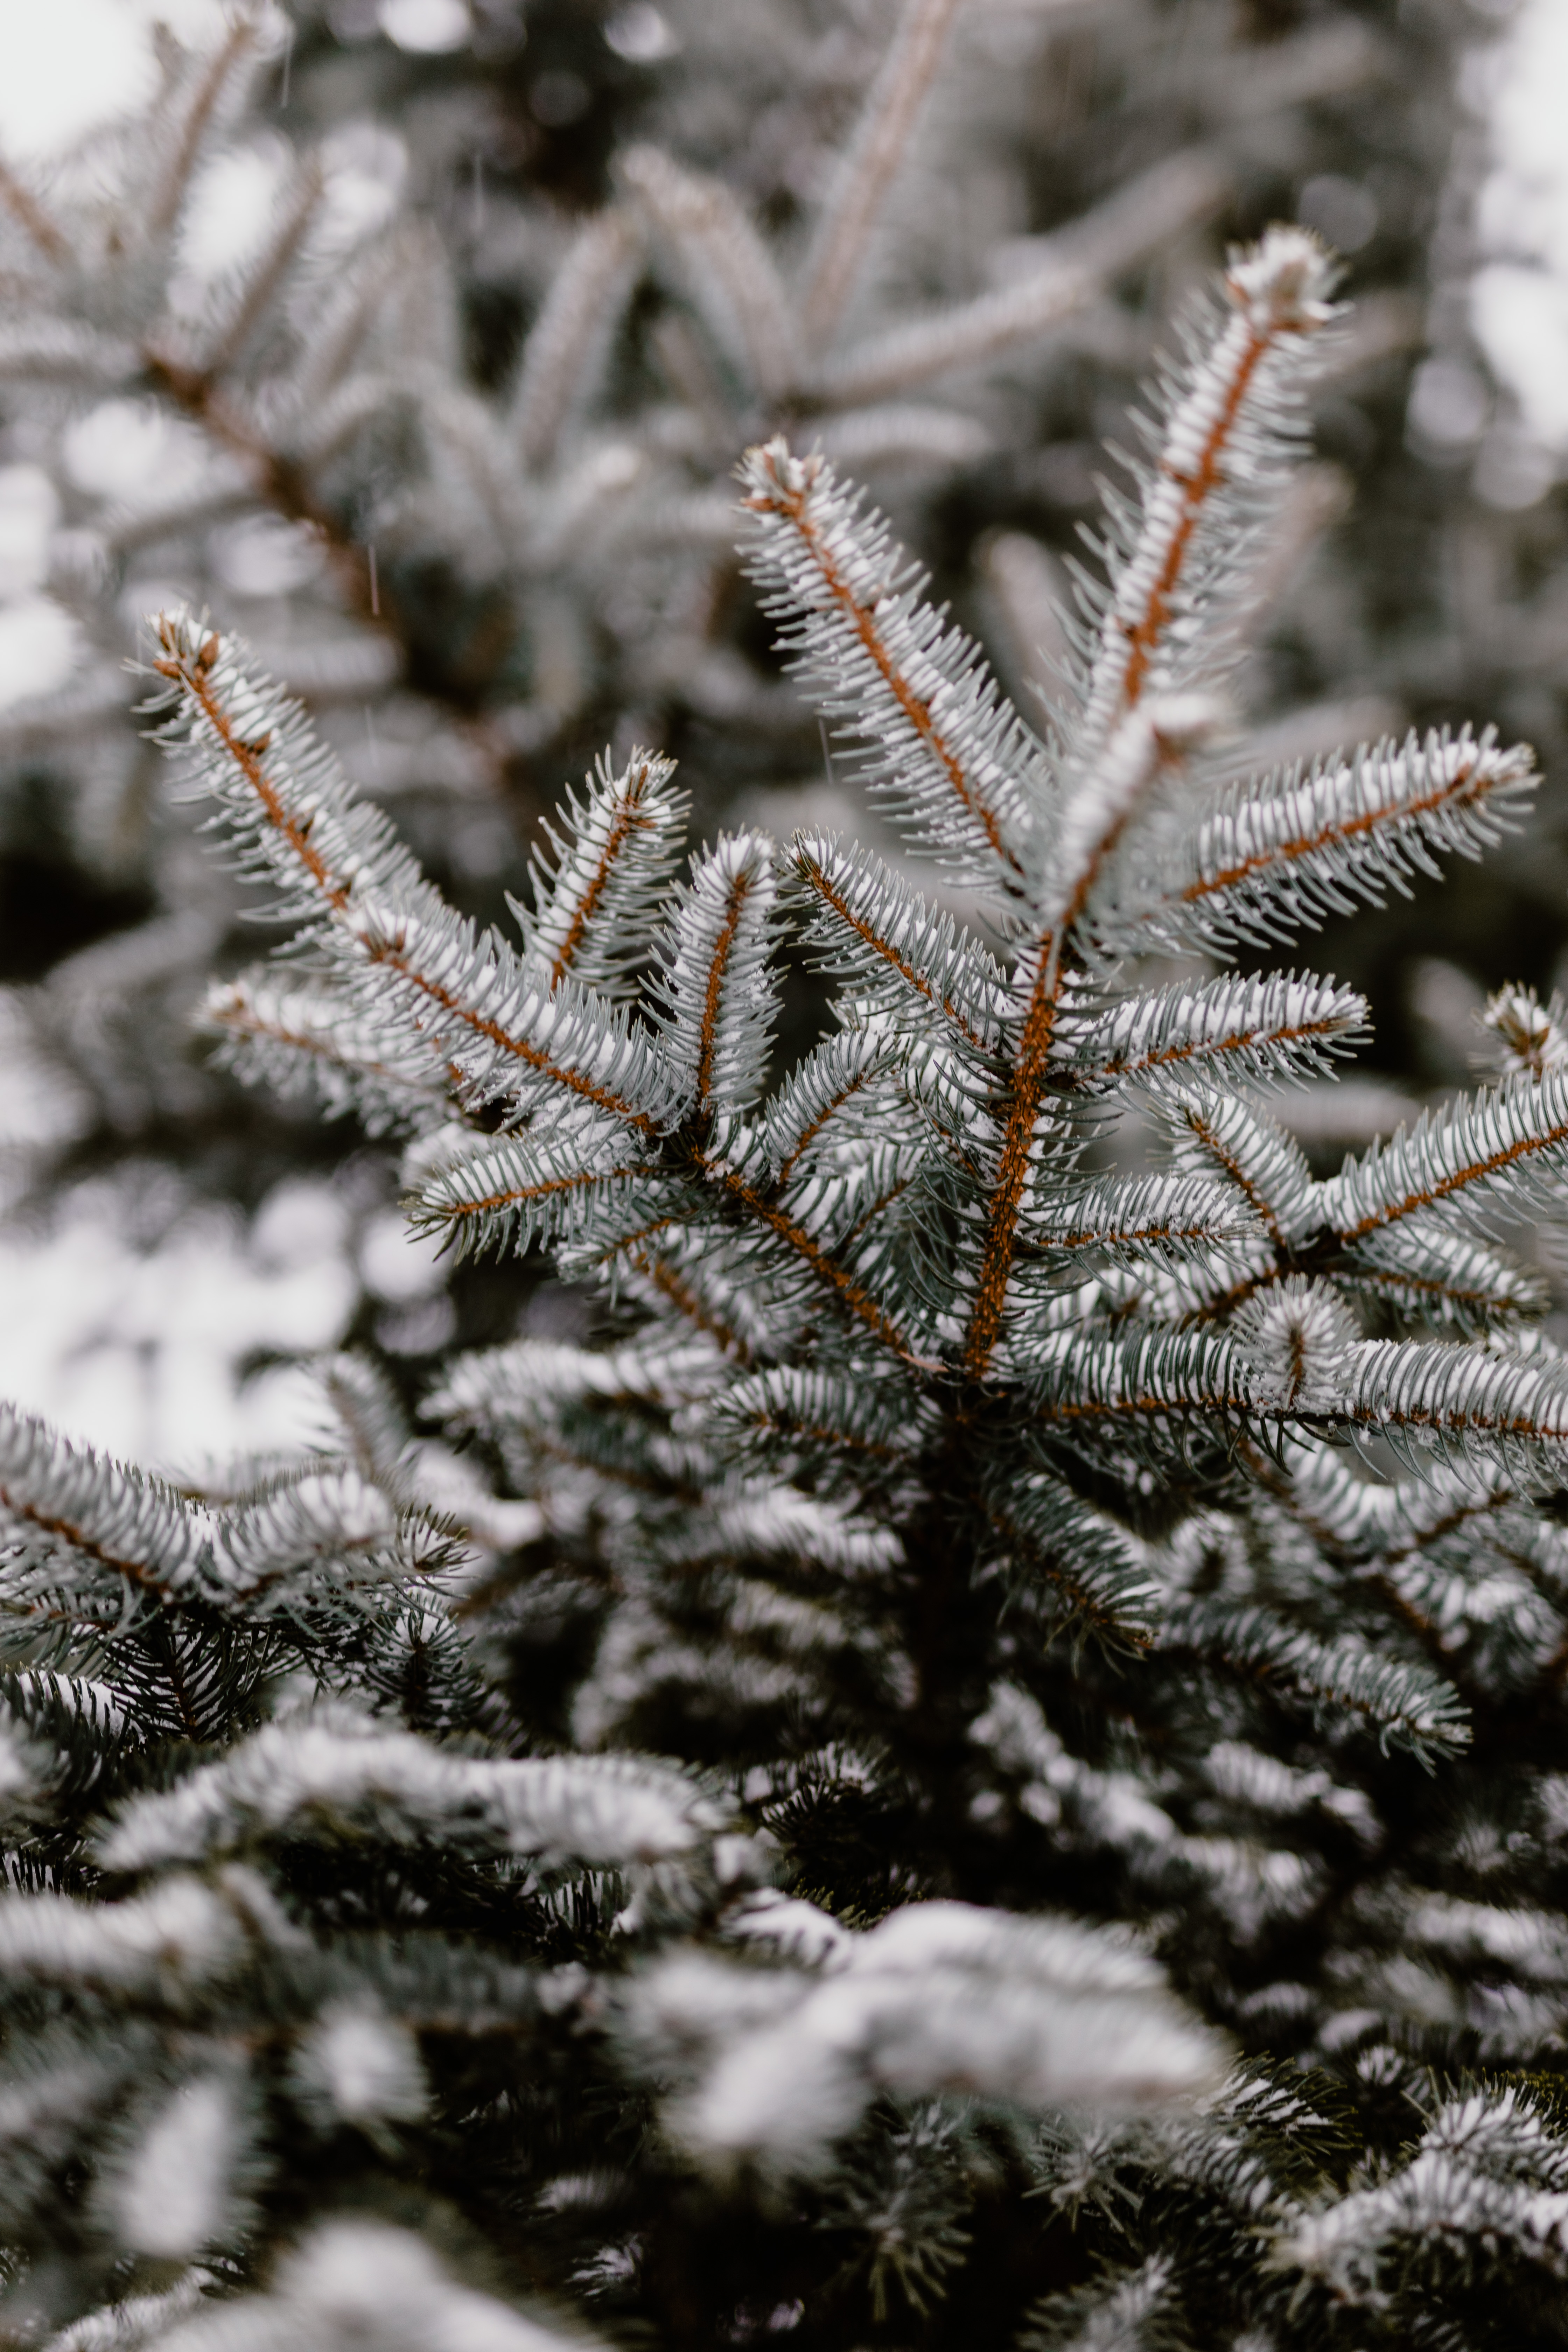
[983,1762]
[460,473]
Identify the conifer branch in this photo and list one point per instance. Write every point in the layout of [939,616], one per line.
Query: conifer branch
[59,352]
[731,275]
[471,1002]
[1405,1704]
[1462,1399]
[1115,748]
[1258,1027]
[596,902]
[567,342]
[868,164]
[196,106]
[518,1188]
[1144,753]
[1301,1344]
[718,994]
[843,1081]
[1508,1146]
[161,1948]
[1141,1375]
[280,477]
[1030,1072]
[1020,2010]
[1096,1581]
[1532,1037]
[25,208]
[949,754]
[349,315]
[1429,1270]
[70,1505]
[668,1283]
[794,1411]
[822,1263]
[336,1765]
[1297,847]
[868,926]
[1486,2168]
[490,1390]
[474,1005]
[1136,1215]
[1351,1519]
[298,1039]
[1100,246]
[254,294]
[1267,1168]
[1214,443]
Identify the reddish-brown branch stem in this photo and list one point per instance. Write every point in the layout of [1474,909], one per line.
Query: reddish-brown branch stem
[1375,1278]
[137,1571]
[795,506]
[243,1021]
[1077,1594]
[195,676]
[1033,1047]
[176,179]
[1239,1041]
[685,1300]
[1001,1236]
[513,1196]
[1509,1156]
[825,1269]
[628,819]
[820,1433]
[520,1048]
[1197,488]
[24,208]
[277,481]
[889,953]
[1237,1174]
[1127,1408]
[739,889]
[1162,1231]
[809,1134]
[1346,829]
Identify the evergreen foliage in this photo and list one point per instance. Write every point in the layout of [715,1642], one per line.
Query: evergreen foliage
[983,1761]
[452,441]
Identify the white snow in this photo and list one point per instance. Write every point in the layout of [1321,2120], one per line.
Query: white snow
[122,446]
[364,2282]
[366,2064]
[640,33]
[939,1997]
[76,64]
[141,1350]
[365,166]
[1519,296]
[38,638]
[395,1263]
[426,26]
[231,204]
[30,508]
[172,2194]
[334,1764]
[38,644]
[181,1930]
